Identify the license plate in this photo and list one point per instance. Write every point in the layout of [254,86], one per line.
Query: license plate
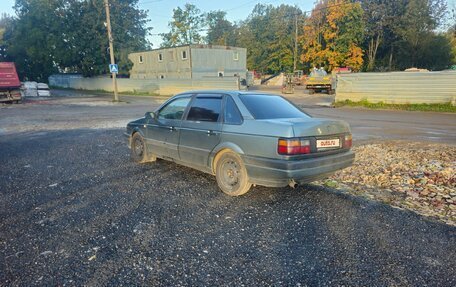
[329,143]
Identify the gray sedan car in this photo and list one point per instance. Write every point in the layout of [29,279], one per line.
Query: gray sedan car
[242,138]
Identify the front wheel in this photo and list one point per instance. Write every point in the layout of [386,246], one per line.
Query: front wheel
[139,150]
[231,174]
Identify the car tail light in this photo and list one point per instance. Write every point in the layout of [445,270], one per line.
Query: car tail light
[348,141]
[293,146]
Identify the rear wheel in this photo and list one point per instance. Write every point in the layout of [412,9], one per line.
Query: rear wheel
[139,150]
[231,174]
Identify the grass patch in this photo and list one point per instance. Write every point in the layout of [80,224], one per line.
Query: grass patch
[445,107]
[100,91]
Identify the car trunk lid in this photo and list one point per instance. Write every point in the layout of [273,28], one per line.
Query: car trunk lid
[318,127]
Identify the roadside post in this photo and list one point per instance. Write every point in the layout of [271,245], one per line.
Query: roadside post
[113,68]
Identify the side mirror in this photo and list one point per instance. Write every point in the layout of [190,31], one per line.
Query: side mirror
[150,115]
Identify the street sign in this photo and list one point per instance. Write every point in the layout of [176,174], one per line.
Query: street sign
[113,68]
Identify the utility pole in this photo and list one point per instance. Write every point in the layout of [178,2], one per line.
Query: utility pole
[111,49]
[295,44]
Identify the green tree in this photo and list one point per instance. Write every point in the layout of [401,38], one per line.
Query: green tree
[434,53]
[89,43]
[420,19]
[269,34]
[6,21]
[70,35]
[451,34]
[376,21]
[220,29]
[185,27]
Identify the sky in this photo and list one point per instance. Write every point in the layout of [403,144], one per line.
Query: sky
[161,11]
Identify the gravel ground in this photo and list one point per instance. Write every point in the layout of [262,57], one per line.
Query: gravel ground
[415,176]
[76,211]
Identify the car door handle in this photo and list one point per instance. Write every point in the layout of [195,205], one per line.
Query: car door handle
[171,129]
[211,133]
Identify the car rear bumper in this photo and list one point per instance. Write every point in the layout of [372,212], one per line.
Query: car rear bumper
[277,173]
[318,86]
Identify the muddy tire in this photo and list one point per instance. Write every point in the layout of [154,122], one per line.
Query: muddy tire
[231,174]
[138,150]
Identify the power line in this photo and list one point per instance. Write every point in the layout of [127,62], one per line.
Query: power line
[278,16]
[249,2]
[152,1]
[240,6]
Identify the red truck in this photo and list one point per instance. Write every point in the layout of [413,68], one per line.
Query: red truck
[10,86]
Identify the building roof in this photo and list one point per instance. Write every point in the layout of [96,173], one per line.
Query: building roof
[198,46]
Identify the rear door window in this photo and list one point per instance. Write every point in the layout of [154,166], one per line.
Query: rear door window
[205,108]
[264,107]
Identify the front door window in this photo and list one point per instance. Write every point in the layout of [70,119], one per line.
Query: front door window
[174,110]
[163,133]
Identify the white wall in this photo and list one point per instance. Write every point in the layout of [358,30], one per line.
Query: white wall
[398,87]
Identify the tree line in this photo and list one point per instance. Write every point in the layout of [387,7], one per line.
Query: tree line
[367,35]
[46,37]
[52,36]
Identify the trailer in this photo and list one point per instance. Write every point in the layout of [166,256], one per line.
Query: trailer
[10,86]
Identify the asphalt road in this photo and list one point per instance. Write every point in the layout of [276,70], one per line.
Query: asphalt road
[75,109]
[75,210]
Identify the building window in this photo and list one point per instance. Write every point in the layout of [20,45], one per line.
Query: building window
[160,57]
[162,76]
[141,59]
[220,74]
[184,55]
[236,56]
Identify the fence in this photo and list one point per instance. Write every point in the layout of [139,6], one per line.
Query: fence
[398,87]
[151,86]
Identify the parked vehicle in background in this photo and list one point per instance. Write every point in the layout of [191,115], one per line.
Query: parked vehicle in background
[43,90]
[10,86]
[242,138]
[319,80]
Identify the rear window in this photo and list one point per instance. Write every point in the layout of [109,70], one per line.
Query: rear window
[264,107]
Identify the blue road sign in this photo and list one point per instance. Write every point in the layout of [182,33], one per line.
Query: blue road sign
[113,68]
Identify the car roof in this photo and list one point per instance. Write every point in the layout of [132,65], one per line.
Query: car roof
[227,92]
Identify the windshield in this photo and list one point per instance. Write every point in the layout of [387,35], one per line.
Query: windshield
[318,73]
[264,107]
